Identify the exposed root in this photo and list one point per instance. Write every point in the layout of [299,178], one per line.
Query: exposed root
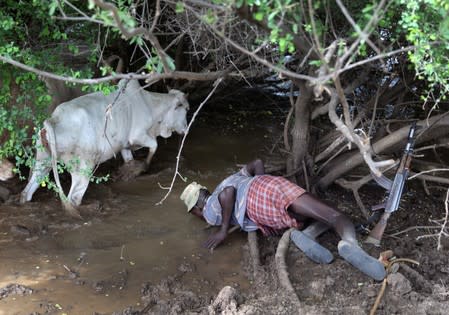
[384,283]
[281,267]
[254,253]
[417,279]
[355,186]
[225,302]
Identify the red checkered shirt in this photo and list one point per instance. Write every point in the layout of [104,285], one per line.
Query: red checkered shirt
[268,200]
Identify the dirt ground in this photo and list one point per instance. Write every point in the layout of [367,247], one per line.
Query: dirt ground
[321,289]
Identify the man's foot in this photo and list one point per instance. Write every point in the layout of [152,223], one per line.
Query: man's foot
[357,257]
[311,248]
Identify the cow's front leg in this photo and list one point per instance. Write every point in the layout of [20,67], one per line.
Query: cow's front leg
[150,156]
[127,155]
[151,144]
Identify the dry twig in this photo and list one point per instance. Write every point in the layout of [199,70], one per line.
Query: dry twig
[440,224]
[178,157]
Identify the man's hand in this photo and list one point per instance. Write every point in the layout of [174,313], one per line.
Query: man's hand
[215,239]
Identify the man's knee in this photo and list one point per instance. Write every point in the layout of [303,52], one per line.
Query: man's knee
[342,220]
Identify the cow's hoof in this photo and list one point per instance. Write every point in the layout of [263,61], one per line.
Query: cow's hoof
[72,211]
[357,257]
[130,170]
[23,198]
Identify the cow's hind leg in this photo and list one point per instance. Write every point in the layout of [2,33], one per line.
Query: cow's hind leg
[40,169]
[80,181]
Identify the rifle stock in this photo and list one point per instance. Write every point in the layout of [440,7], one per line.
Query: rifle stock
[377,232]
[396,190]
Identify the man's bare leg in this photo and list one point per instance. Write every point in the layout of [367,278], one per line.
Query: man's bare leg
[310,207]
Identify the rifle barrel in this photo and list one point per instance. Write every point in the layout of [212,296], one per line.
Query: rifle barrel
[396,190]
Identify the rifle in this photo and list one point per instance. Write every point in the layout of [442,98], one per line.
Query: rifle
[395,190]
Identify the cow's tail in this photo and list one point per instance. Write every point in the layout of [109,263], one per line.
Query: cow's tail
[67,205]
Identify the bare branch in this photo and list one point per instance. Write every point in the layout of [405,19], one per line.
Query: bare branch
[429,171]
[363,36]
[253,55]
[135,31]
[148,77]
[363,143]
[365,61]
[156,16]
[314,32]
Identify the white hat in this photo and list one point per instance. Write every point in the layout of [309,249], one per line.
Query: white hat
[191,194]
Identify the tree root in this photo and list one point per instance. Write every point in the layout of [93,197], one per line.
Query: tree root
[417,279]
[281,267]
[355,186]
[384,283]
[254,253]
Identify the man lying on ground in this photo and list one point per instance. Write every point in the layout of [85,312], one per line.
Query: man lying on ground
[253,200]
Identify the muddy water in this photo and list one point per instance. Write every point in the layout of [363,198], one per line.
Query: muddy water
[99,265]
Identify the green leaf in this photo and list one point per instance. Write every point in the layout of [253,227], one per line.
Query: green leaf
[316,63]
[179,7]
[53,6]
[258,16]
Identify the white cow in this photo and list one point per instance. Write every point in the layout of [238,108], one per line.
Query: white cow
[91,129]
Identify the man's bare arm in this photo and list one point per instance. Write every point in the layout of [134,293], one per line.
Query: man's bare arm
[227,201]
[255,167]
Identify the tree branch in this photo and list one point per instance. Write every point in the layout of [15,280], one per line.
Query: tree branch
[148,77]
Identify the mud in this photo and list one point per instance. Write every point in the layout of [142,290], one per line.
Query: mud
[129,256]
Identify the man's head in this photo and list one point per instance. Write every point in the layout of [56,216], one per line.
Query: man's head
[194,197]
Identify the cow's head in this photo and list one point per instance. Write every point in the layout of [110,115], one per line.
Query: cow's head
[175,118]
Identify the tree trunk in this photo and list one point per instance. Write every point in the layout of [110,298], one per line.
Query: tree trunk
[300,132]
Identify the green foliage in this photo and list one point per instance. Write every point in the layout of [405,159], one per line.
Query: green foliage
[124,9]
[426,24]
[273,13]
[29,35]
[422,23]
[20,112]
[74,163]
[179,7]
